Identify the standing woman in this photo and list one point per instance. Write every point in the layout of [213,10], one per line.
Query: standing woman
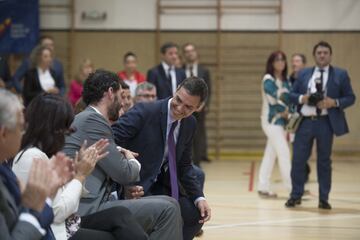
[275,94]
[40,77]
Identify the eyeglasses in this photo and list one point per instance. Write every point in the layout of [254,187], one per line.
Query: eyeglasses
[147,95]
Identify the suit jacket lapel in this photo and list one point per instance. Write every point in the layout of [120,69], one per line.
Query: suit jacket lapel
[164,77]
[180,139]
[330,78]
[200,71]
[163,119]
[307,78]
[178,77]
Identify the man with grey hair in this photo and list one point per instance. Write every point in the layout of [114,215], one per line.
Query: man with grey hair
[23,214]
[145,92]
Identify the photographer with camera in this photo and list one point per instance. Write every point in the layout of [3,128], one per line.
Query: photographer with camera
[323,92]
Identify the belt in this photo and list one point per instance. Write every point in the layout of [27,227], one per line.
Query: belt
[315,117]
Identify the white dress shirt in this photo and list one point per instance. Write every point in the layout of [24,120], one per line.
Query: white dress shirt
[194,70]
[46,80]
[307,110]
[173,76]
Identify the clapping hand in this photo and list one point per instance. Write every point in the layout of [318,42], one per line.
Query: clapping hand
[36,189]
[62,170]
[86,158]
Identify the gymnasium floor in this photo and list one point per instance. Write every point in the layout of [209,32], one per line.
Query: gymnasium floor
[240,214]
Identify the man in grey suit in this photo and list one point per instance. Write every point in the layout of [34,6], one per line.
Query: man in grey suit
[23,215]
[159,216]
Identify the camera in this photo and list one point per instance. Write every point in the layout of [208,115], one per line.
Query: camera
[315,98]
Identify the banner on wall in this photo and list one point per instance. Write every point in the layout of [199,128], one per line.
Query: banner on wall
[19,25]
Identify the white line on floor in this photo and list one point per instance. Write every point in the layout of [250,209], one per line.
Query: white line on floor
[282,221]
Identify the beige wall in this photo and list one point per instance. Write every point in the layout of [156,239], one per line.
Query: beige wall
[106,49]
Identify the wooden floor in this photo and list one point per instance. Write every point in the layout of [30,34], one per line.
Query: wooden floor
[238,212]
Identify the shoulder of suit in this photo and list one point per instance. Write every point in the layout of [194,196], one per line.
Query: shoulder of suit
[338,69]
[268,77]
[191,120]
[89,114]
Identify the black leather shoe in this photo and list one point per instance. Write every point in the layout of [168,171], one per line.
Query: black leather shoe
[324,205]
[292,202]
[200,233]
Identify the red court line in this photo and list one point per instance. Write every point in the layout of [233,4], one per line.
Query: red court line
[251,176]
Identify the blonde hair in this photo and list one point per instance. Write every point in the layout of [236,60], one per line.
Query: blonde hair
[84,63]
[35,56]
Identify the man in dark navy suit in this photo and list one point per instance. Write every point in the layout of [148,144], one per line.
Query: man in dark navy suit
[323,92]
[165,76]
[162,132]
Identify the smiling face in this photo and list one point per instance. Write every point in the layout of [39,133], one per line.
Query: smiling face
[183,104]
[322,56]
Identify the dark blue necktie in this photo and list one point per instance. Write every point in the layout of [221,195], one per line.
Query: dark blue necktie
[172,162]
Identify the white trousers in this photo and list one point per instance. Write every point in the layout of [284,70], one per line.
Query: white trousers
[276,147]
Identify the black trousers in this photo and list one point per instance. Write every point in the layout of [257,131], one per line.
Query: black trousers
[189,212]
[200,139]
[191,216]
[112,223]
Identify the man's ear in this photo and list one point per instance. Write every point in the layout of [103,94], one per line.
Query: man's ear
[200,108]
[110,93]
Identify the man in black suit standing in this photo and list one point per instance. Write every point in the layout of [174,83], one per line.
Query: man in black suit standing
[194,69]
[162,133]
[165,76]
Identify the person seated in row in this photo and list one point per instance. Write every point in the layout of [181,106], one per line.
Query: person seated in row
[48,119]
[25,209]
[76,85]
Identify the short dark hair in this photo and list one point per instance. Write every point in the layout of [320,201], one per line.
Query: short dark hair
[322,44]
[97,84]
[270,64]
[196,86]
[48,117]
[188,44]
[123,84]
[302,56]
[166,46]
[129,54]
